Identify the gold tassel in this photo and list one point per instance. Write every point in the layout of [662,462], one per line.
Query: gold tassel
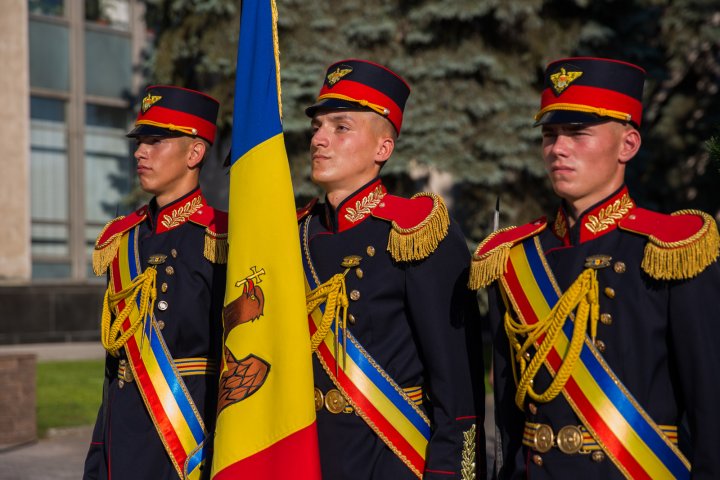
[216,247]
[487,268]
[418,242]
[102,257]
[686,258]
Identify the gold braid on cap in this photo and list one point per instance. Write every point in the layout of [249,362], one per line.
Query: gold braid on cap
[603,112]
[169,126]
[685,258]
[384,111]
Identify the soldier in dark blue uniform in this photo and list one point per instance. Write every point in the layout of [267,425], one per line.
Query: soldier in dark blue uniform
[160,392]
[634,396]
[401,395]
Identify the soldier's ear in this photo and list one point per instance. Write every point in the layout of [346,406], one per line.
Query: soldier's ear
[629,144]
[196,153]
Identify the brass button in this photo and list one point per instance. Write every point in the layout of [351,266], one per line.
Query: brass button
[569,439]
[164,287]
[359,272]
[355,295]
[162,305]
[351,319]
[619,267]
[533,408]
[600,345]
[537,460]
[169,270]
[173,252]
[319,399]
[334,401]
[598,456]
[606,318]
[121,384]
[370,251]
[543,440]
[160,324]
[527,356]
[610,292]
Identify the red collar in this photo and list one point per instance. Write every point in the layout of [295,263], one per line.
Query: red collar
[357,207]
[598,220]
[180,211]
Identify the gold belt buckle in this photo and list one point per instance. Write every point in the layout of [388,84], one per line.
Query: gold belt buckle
[334,401]
[570,439]
[543,438]
[319,399]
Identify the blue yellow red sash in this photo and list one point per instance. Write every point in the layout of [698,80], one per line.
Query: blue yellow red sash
[168,401]
[376,398]
[625,431]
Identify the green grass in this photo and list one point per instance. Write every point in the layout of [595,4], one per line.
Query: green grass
[68,393]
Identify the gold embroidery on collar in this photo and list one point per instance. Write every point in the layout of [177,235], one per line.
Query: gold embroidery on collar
[364,206]
[468,454]
[609,215]
[560,225]
[180,215]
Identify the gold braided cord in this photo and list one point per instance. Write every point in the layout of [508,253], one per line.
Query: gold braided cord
[169,126]
[418,242]
[603,112]
[333,293]
[276,51]
[384,111]
[582,295]
[111,335]
[686,258]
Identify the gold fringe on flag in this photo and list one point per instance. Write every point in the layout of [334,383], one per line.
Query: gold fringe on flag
[491,265]
[216,247]
[418,242]
[686,258]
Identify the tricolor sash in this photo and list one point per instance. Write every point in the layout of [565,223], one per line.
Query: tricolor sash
[166,397]
[376,398]
[625,431]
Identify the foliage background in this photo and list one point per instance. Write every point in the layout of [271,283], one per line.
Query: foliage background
[475,67]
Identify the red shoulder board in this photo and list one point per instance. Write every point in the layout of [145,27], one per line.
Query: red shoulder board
[680,245]
[489,262]
[419,224]
[216,232]
[305,211]
[108,241]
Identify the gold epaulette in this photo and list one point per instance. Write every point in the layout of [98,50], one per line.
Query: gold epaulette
[108,241]
[680,245]
[489,262]
[216,247]
[419,224]
[216,233]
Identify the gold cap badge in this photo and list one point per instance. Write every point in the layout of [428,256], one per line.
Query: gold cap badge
[149,101]
[338,74]
[562,79]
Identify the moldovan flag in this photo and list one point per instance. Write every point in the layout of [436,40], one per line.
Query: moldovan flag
[266,413]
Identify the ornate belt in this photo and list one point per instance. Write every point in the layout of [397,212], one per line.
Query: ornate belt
[335,402]
[186,367]
[572,439]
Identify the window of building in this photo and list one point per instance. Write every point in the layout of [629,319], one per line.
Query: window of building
[82,83]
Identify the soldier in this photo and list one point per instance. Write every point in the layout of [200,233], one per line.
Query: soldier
[161,323]
[605,344]
[395,394]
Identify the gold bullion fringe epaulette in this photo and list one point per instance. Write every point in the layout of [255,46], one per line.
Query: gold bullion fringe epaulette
[683,259]
[216,247]
[489,262]
[104,253]
[418,242]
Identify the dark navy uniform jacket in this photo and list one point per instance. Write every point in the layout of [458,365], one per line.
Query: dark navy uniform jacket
[660,337]
[125,444]
[419,323]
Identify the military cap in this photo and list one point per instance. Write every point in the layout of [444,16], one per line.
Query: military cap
[361,85]
[590,90]
[168,111]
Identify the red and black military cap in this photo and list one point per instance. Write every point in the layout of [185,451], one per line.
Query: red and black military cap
[591,90]
[168,111]
[361,85]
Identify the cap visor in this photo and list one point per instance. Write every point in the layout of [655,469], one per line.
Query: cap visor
[554,117]
[151,131]
[334,104]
